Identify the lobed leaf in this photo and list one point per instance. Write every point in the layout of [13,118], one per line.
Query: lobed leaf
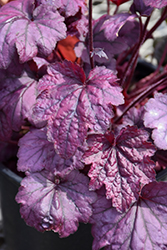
[143,226]
[28,29]
[121,163]
[71,103]
[37,153]
[156,118]
[51,203]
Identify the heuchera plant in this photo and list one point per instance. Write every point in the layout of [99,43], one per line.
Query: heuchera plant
[89,132]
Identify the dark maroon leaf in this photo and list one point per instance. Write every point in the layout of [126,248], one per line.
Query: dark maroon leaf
[121,163]
[5,127]
[143,226]
[51,203]
[37,153]
[139,6]
[28,29]
[156,118]
[156,3]
[72,103]
[17,96]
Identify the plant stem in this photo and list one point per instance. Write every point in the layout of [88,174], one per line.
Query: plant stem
[133,60]
[108,7]
[90,35]
[162,18]
[140,97]
[162,59]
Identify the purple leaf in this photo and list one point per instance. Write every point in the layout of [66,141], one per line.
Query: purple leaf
[121,163]
[143,226]
[5,127]
[49,202]
[156,118]
[17,96]
[28,29]
[156,3]
[115,42]
[113,25]
[37,153]
[67,8]
[139,6]
[72,103]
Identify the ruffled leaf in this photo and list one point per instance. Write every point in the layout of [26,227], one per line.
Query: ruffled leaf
[143,226]
[67,8]
[121,163]
[72,103]
[156,118]
[37,153]
[29,30]
[51,203]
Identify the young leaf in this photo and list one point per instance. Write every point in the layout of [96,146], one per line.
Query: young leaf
[156,118]
[121,163]
[143,226]
[29,30]
[37,153]
[51,203]
[139,6]
[156,3]
[72,103]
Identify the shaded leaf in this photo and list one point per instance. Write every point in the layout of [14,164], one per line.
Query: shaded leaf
[17,95]
[156,118]
[37,153]
[51,203]
[139,6]
[143,226]
[121,163]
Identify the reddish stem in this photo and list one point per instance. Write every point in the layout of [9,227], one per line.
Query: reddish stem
[140,97]
[90,35]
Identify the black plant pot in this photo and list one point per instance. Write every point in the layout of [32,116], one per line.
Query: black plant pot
[19,236]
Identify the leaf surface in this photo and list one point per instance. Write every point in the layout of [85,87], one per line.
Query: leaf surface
[51,203]
[72,103]
[17,95]
[37,153]
[29,30]
[121,163]
[156,118]
[156,4]
[143,226]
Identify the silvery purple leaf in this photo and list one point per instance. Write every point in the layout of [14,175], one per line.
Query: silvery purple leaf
[156,3]
[28,29]
[65,7]
[122,164]
[71,103]
[156,118]
[37,153]
[17,95]
[143,226]
[49,202]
